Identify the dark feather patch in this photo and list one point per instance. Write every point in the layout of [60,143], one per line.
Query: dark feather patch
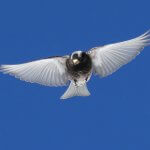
[84,67]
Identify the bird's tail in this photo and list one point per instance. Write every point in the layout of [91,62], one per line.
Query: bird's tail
[75,91]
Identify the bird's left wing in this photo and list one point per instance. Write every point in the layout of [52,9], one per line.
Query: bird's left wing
[51,71]
[107,59]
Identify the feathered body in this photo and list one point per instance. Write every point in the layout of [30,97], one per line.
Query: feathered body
[82,69]
[79,66]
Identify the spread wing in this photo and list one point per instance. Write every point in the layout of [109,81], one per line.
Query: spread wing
[50,71]
[107,59]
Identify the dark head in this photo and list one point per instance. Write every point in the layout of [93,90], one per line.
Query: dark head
[78,57]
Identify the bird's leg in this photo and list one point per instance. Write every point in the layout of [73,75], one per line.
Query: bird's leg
[86,79]
[75,81]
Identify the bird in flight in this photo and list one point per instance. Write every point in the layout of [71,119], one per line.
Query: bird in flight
[78,67]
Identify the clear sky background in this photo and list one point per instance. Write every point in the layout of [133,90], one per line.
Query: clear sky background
[117,114]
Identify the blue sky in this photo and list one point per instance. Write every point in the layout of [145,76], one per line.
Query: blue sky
[117,114]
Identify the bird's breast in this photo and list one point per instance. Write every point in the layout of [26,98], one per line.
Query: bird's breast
[82,68]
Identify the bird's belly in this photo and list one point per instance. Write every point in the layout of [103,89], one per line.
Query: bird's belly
[80,73]
[80,79]
[80,70]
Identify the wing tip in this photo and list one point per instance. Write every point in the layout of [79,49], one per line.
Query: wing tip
[4,68]
[145,38]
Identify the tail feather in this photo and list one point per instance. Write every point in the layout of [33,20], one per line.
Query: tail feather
[75,91]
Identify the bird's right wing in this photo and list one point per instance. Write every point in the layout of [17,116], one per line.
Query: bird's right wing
[51,71]
[109,58]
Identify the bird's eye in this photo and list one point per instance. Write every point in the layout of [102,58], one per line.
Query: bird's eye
[83,54]
[75,56]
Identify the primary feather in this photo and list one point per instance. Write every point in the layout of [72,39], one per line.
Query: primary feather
[50,72]
[107,59]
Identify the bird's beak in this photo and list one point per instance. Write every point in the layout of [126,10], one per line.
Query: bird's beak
[75,61]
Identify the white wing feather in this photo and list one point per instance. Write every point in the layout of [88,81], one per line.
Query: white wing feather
[50,72]
[107,59]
